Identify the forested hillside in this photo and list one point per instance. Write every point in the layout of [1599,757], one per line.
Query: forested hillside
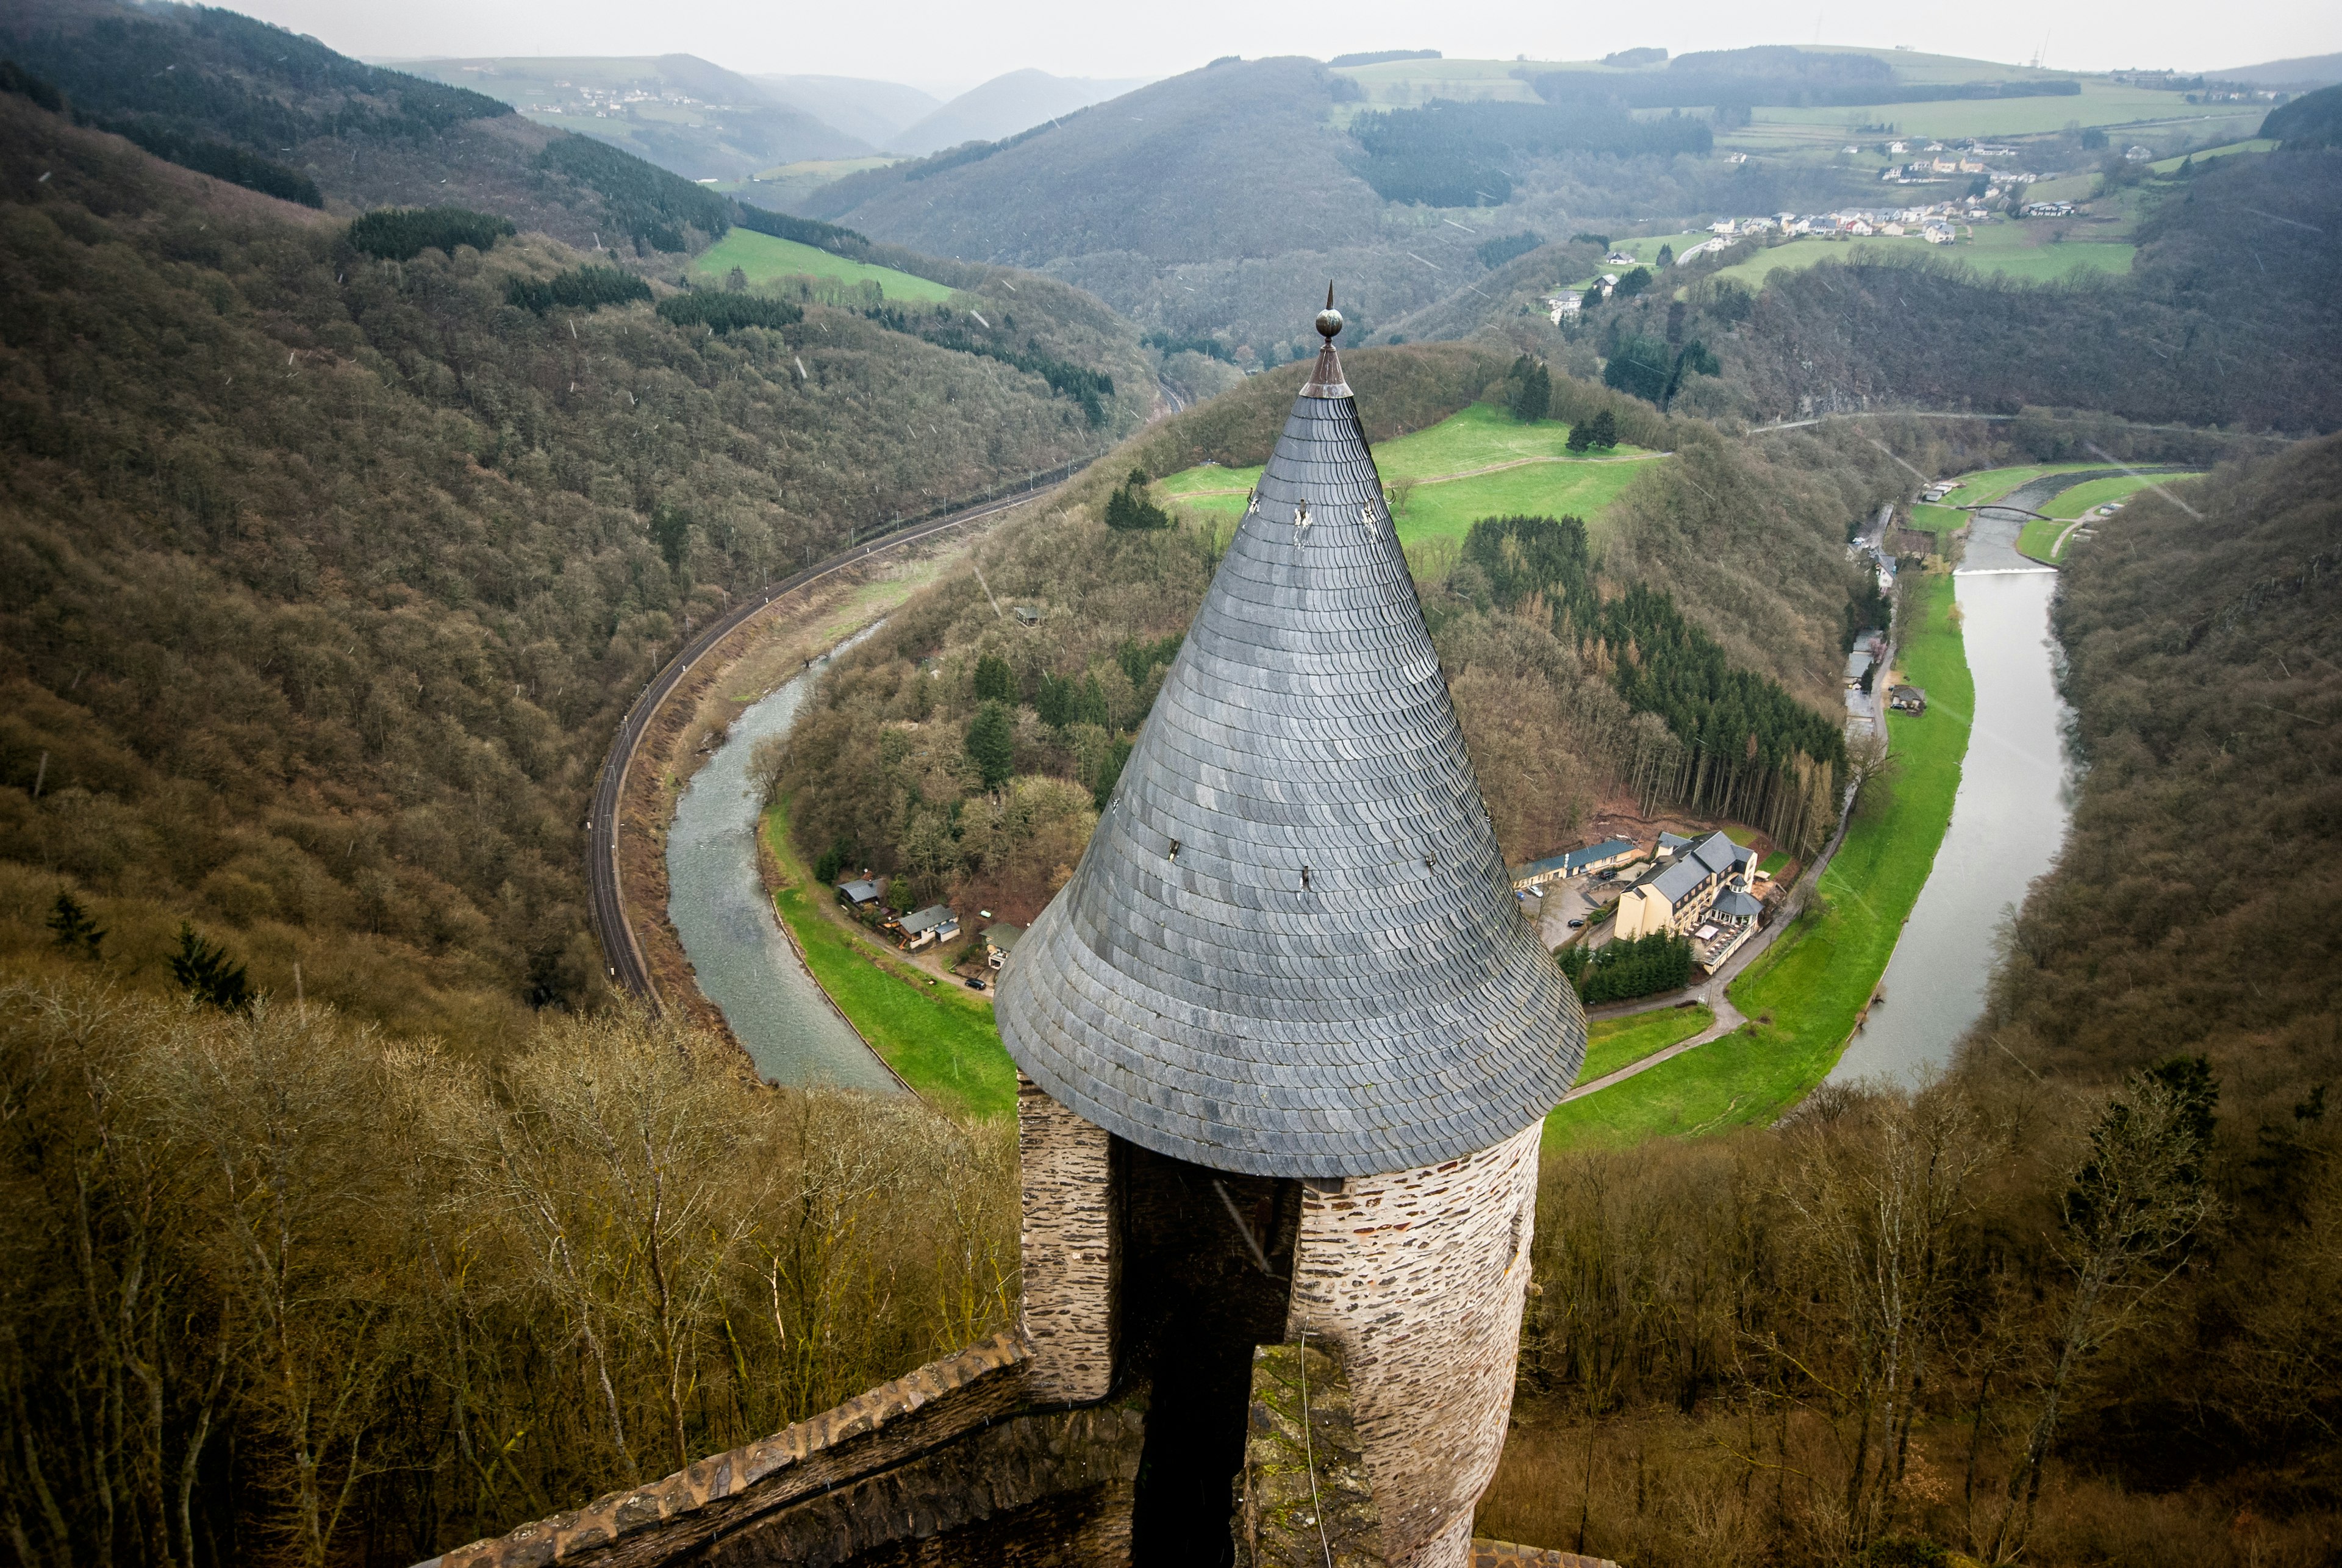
[1215,203]
[2076,1302]
[282,114]
[329,575]
[2231,315]
[1691,662]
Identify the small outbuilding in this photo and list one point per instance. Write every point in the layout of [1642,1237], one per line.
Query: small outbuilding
[1000,941]
[1907,699]
[857,895]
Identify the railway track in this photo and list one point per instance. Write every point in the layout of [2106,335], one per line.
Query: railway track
[622,953]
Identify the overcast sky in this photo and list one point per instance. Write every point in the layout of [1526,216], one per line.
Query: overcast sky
[950,43]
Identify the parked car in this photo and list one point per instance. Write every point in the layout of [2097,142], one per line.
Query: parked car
[1610,875]
[974,983]
[1576,924]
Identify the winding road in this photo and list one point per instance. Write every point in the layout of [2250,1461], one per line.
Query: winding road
[622,954]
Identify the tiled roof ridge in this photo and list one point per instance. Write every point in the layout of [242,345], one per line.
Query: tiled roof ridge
[1291,947]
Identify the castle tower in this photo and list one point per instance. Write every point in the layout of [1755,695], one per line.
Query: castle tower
[1286,1042]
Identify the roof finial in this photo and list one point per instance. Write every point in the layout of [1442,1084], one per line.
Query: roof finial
[1326,381]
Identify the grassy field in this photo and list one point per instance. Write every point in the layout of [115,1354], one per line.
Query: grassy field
[2254,144]
[1545,480]
[2099,104]
[1614,1042]
[2002,250]
[1813,982]
[764,257]
[1992,484]
[939,1037]
[2040,540]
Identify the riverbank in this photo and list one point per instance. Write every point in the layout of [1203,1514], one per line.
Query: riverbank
[1807,992]
[937,1038]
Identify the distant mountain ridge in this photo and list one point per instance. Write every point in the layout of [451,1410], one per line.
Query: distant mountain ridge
[873,110]
[686,114]
[1004,107]
[2308,70]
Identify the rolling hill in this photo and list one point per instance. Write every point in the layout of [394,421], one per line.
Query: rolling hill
[678,111]
[1002,108]
[874,111]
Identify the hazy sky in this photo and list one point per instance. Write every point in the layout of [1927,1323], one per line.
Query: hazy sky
[949,44]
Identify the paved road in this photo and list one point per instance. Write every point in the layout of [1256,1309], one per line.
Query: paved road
[622,954]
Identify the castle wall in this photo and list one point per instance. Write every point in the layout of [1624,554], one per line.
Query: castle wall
[1419,1278]
[1072,1249]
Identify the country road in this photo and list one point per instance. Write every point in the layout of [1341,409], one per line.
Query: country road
[622,954]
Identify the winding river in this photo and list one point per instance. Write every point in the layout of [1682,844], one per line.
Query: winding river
[2009,817]
[745,961]
[2008,820]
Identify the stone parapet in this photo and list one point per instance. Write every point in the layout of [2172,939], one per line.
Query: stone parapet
[1071,1237]
[871,1432]
[1304,1499]
[1488,1553]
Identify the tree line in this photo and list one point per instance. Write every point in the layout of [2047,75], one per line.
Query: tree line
[282,1291]
[1628,967]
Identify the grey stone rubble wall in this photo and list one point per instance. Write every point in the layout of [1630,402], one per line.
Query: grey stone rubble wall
[1505,1554]
[1052,1489]
[659,1522]
[1306,1500]
[1073,1260]
[1418,1279]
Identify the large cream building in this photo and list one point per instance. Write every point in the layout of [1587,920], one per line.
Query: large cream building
[1675,899]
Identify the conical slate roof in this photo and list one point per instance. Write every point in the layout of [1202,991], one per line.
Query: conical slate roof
[1291,948]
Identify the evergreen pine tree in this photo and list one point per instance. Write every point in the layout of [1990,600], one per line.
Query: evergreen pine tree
[72,926]
[992,743]
[203,971]
[994,681]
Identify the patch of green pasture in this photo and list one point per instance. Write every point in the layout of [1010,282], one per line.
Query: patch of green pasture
[1548,478]
[766,258]
[936,1036]
[2005,250]
[1814,980]
[1614,1042]
[1992,484]
[2038,541]
[1771,864]
[2251,144]
[2098,104]
[2081,498]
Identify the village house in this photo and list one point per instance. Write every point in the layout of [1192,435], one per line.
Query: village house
[858,894]
[1675,900]
[1000,941]
[1594,858]
[918,929]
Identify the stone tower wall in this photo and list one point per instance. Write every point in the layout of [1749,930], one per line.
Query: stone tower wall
[1072,1247]
[1419,1278]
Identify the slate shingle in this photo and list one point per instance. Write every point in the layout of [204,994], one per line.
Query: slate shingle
[1393,1015]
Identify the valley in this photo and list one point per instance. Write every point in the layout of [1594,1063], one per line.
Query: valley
[749,810]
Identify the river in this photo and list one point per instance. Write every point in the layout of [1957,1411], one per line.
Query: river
[2009,817]
[746,962]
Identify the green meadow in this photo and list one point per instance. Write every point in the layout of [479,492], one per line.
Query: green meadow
[2050,541]
[936,1036]
[764,258]
[1806,992]
[1614,1042]
[1480,463]
[2003,250]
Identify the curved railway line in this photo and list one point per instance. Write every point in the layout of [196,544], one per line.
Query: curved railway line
[622,954]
